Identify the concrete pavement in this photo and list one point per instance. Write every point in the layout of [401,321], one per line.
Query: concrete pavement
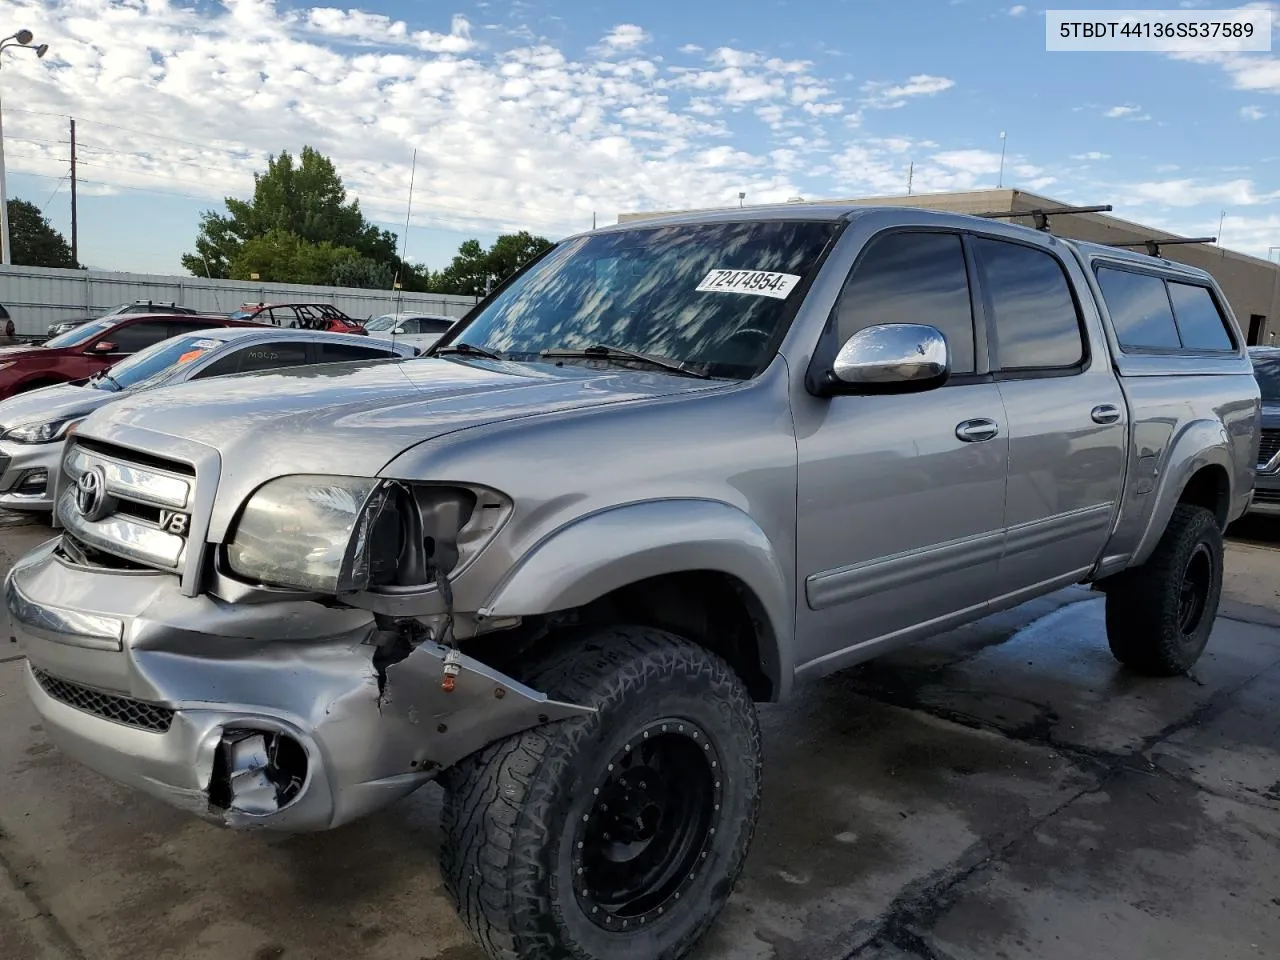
[1003,791]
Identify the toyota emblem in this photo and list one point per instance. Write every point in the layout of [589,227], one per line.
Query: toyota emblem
[91,494]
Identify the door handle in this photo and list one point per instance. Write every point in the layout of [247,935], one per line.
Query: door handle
[975,431]
[1105,413]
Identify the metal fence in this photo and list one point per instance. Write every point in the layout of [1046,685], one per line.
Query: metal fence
[39,296]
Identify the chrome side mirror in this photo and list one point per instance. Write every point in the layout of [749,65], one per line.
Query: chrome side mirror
[893,357]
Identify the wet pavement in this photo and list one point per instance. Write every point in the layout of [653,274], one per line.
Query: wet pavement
[1003,791]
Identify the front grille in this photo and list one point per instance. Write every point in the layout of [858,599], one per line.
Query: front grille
[1265,496]
[1269,447]
[130,515]
[109,706]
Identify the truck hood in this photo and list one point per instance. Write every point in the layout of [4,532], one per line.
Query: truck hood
[61,401]
[353,418]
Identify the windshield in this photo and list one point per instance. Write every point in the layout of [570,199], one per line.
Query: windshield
[157,363]
[1267,373]
[385,322]
[82,333]
[712,295]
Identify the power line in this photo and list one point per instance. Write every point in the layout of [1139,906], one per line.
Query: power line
[65,177]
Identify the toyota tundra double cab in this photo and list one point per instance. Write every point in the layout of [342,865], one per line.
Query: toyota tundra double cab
[667,471]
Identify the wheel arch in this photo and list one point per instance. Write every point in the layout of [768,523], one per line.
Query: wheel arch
[1198,471]
[682,558]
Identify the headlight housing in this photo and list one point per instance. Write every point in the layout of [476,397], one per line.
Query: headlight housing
[45,432]
[309,532]
[345,535]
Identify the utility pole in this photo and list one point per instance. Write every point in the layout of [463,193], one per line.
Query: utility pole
[910,174]
[1000,180]
[75,219]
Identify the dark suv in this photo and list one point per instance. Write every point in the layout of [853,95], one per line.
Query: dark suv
[93,347]
[301,316]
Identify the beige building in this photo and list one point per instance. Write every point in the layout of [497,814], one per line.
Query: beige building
[1252,285]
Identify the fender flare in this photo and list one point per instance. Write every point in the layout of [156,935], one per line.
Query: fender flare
[1202,443]
[594,555]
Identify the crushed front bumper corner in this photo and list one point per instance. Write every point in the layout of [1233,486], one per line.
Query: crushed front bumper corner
[218,708]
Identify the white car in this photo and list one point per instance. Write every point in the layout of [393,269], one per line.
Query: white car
[419,329]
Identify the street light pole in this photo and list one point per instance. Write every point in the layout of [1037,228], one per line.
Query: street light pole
[22,39]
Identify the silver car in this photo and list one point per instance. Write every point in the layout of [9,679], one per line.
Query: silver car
[34,425]
[419,329]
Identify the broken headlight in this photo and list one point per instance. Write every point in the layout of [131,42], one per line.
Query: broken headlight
[314,533]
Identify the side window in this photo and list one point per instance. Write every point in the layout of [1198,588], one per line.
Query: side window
[434,325]
[269,356]
[1139,309]
[410,325]
[912,278]
[1037,326]
[1199,321]
[338,352]
[136,336]
[260,356]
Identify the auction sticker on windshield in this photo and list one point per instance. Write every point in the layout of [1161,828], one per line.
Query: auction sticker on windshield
[761,283]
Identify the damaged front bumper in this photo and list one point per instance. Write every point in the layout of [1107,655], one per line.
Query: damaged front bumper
[265,715]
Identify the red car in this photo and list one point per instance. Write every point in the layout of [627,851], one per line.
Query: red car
[302,316]
[92,347]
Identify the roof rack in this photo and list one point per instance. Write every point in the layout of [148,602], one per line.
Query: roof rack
[1153,246]
[1042,214]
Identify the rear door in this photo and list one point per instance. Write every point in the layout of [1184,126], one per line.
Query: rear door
[1065,412]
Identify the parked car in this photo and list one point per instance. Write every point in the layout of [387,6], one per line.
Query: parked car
[92,347]
[419,329]
[34,425]
[665,472]
[1266,492]
[7,321]
[301,316]
[125,309]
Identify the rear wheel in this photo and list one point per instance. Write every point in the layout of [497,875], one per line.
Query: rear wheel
[1159,615]
[617,835]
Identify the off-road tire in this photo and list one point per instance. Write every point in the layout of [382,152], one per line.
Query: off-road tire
[1145,605]
[513,812]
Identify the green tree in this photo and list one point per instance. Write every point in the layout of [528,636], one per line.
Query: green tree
[475,270]
[305,198]
[35,243]
[279,256]
[357,271]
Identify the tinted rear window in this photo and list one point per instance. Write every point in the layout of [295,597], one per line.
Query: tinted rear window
[1199,321]
[1037,326]
[1139,309]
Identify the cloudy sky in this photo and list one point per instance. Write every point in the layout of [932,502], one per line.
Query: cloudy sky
[540,113]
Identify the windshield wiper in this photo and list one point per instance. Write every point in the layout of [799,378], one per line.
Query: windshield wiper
[467,349]
[602,351]
[111,380]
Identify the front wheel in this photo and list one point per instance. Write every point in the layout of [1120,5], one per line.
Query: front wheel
[614,836]
[1159,615]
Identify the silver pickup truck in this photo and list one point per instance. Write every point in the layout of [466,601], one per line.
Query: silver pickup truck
[663,473]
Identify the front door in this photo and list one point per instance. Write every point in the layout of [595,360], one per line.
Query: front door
[901,497]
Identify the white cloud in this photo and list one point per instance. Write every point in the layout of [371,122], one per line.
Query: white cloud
[1091,155]
[1252,113]
[1126,112]
[888,96]
[625,37]
[690,48]
[1017,10]
[1189,193]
